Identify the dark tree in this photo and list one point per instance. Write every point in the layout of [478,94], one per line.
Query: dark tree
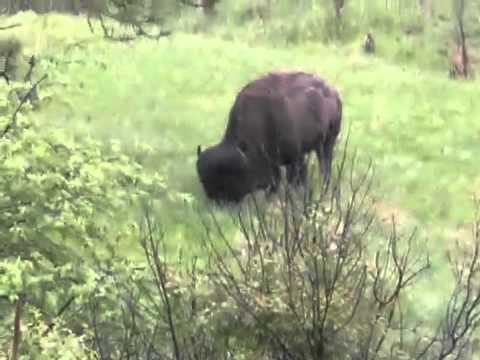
[338,5]
[369,43]
[209,7]
[460,63]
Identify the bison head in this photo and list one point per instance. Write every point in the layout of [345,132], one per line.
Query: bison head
[224,172]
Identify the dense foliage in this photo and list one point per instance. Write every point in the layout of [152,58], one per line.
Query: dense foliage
[58,196]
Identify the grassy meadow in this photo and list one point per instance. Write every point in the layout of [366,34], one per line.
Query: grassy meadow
[419,128]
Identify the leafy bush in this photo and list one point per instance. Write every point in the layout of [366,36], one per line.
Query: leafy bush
[41,341]
[129,15]
[59,194]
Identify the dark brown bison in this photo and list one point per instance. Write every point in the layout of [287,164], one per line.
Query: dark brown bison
[275,121]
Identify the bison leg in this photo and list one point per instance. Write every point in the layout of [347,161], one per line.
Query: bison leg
[325,156]
[302,173]
[275,181]
[297,172]
[324,159]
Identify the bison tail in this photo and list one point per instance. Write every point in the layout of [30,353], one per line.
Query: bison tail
[337,125]
[340,108]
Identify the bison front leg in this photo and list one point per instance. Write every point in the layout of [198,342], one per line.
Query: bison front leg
[275,180]
[297,172]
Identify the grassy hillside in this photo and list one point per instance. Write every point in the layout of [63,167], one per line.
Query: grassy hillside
[419,128]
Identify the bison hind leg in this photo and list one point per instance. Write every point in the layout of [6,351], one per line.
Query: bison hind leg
[324,153]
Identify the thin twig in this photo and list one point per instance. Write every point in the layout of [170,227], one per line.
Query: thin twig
[9,26]
[59,313]
[24,99]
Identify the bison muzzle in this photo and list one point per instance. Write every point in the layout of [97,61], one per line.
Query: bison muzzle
[275,121]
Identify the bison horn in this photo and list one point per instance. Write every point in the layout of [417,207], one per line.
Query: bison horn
[242,153]
[242,146]
[199,150]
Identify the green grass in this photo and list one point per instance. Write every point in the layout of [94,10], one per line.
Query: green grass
[420,129]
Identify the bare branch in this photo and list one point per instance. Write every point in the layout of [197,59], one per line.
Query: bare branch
[9,26]
[160,272]
[17,330]
[59,313]
[12,124]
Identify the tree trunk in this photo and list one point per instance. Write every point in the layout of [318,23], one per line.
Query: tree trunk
[427,8]
[72,7]
[338,4]
[25,5]
[209,7]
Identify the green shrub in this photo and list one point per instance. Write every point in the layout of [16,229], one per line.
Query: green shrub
[59,194]
[310,276]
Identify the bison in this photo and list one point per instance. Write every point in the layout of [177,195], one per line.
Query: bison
[275,121]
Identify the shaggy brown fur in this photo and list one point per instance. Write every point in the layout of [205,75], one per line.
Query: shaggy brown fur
[275,121]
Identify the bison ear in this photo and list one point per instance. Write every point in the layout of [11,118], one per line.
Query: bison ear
[199,150]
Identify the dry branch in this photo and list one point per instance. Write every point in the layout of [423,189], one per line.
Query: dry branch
[9,26]
[13,123]
[17,330]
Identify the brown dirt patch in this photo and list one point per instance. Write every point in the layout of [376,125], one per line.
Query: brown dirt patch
[387,213]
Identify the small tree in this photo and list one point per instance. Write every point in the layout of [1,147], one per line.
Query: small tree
[130,15]
[460,65]
[338,7]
